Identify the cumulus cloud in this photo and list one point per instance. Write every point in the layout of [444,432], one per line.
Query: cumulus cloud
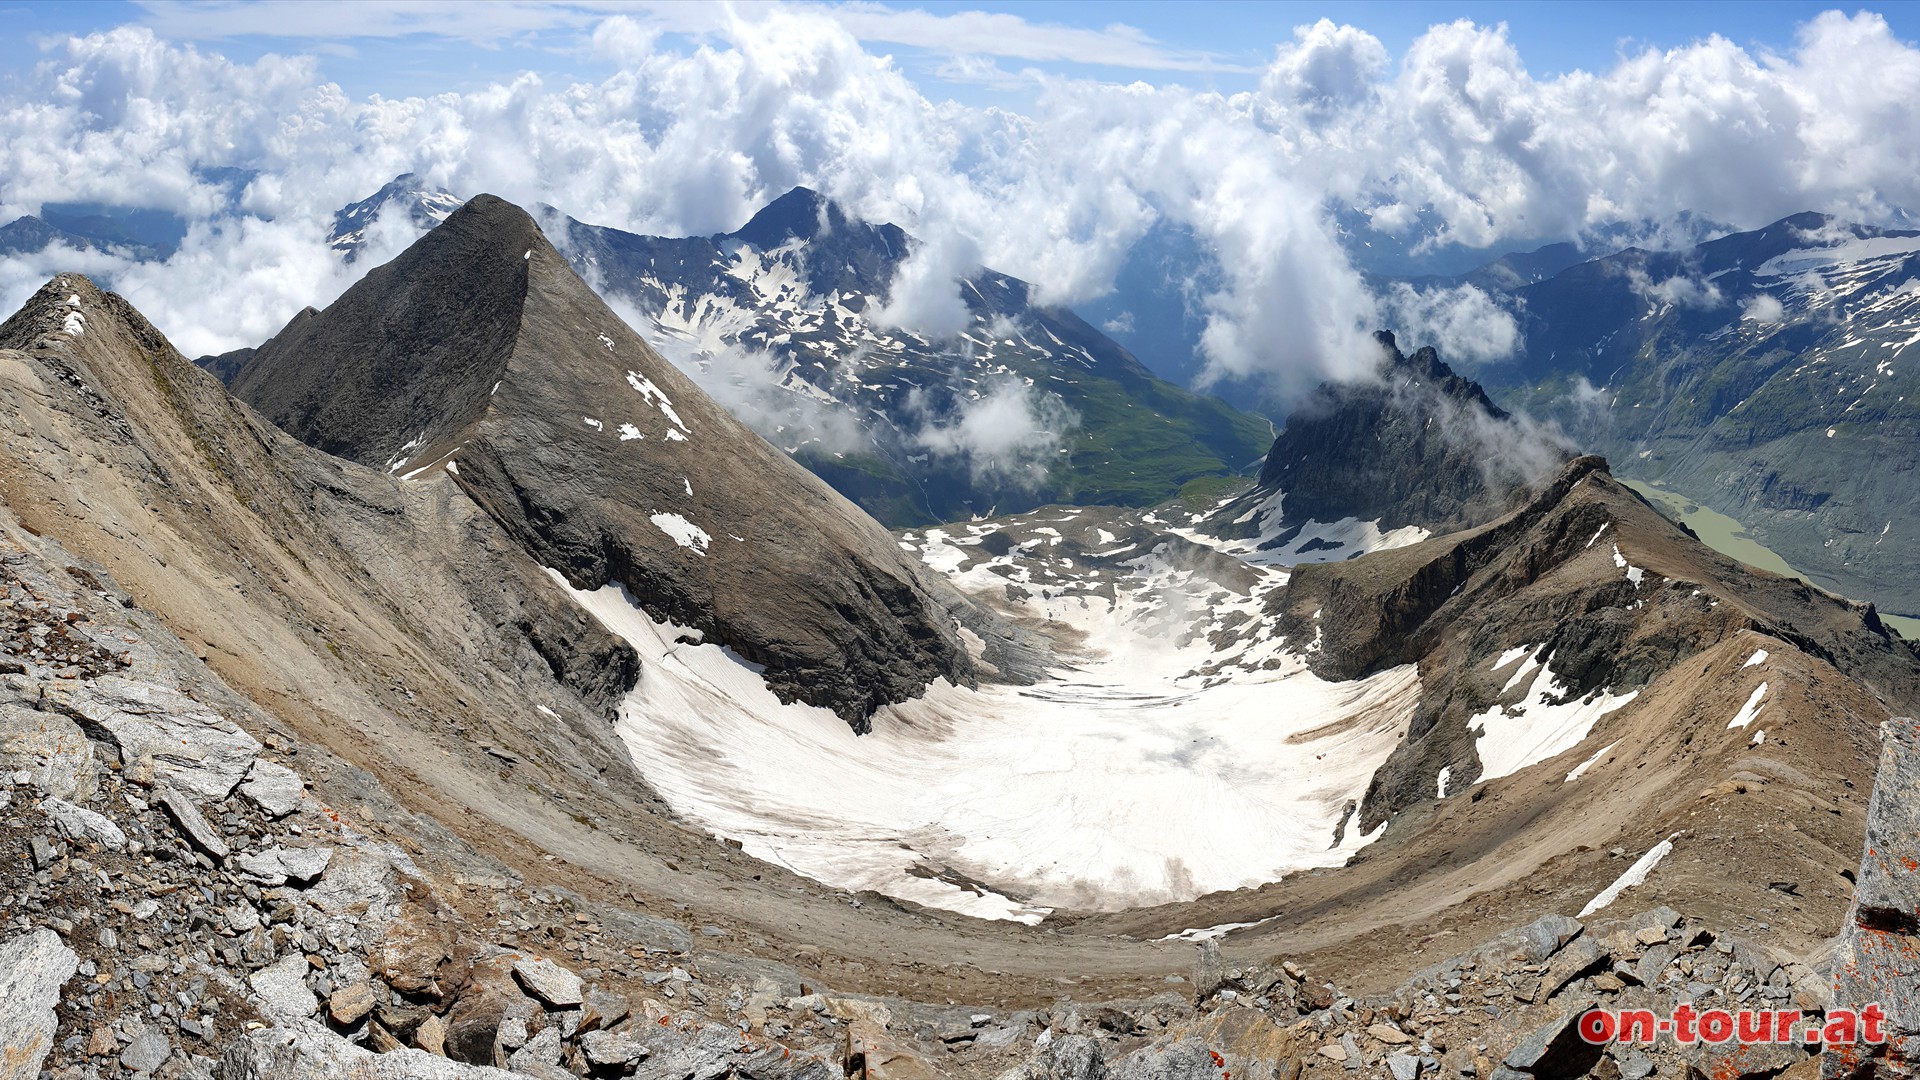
[924,296]
[1764,309]
[1453,143]
[1678,290]
[1465,324]
[1009,434]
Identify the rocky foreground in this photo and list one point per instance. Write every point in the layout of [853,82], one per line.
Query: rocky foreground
[176,902]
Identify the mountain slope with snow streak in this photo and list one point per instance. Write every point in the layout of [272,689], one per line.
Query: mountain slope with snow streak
[1770,375]
[790,320]
[481,354]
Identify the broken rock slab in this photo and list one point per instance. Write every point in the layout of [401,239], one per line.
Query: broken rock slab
[192,823]
[33,967]
[77,823]
[192,747]
[282,985]
[548,981]
[307,1051]
[277,866]
[275,789]
[610,1050]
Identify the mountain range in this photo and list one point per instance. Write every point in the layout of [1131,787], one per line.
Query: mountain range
[465,688]
[785,320]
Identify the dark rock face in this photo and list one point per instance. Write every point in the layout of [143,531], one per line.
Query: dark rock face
[1878,957]
[1419,446]
[480,351]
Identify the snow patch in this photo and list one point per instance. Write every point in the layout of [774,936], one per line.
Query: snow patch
[1513,737]
[684,532]
[1759,657]
[1581,769]
[1750,710]
[1635,875]
[1115,784]
[1634,573]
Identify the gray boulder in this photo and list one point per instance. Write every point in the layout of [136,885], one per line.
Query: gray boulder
[611,1050]
[33,967]
[282,986]
[1183,1060]
[192,747]
[307,1051]
[277,866]
[548,981]
[78,823]
[51,749]
[186,814]
[275,789]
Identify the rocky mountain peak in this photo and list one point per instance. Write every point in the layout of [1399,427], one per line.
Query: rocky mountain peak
[480,356]
[424,205]
[800,214]
[1417,447]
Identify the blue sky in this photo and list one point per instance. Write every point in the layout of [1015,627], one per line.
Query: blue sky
[411,49]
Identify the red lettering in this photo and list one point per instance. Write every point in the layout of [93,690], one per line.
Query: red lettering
[1638,1025]
[1683,1018]
[1597,1026]
[1756,1026]
[1871,1018]
[1842,1028]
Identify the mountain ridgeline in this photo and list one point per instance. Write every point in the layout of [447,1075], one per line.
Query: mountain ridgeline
[481,353]
[786,321]
[1767,375]
[802,291]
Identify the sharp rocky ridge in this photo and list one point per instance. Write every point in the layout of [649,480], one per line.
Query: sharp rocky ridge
[479,352]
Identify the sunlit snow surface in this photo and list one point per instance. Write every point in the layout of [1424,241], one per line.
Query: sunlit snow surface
[1126,779]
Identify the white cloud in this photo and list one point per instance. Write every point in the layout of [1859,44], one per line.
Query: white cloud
[925,294]
[1456,138]
[1009,434]
[1465,324]
[1679,290]
[1764,309]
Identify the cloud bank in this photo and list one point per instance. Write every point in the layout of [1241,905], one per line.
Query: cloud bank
[1453,144]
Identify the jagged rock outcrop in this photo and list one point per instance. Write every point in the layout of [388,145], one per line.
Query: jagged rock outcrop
[1415,445]
[33,967]
[479,352]
[1877,961]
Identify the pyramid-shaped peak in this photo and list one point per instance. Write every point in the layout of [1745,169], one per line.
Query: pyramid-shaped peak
[801,214]
[60,308]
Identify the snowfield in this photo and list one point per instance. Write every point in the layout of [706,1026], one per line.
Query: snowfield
[1178,746]
[1123,781]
